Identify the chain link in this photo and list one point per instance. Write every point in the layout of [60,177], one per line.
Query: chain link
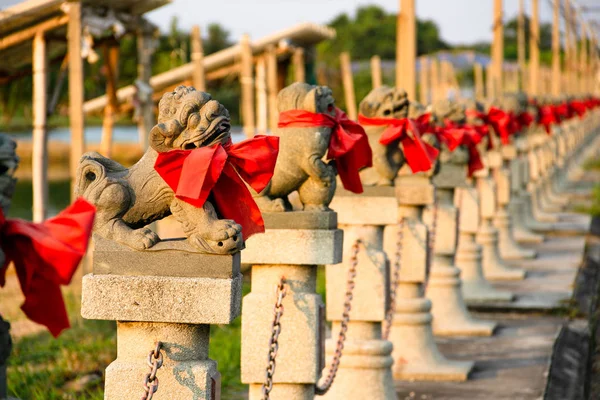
[280,292]
[322,388]
[389,315]
[155,361]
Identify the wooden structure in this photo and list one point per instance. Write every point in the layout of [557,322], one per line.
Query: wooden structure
[406,49]
[25,48]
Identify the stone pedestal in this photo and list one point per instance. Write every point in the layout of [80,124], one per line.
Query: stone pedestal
[292,246]
[416,356]
[534,187]
[170,294]
[494,267]
[476,289]
[450,314]
[365,370]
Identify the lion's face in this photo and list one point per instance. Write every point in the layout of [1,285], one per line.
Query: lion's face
[385,102]
[189,119]
[449,110]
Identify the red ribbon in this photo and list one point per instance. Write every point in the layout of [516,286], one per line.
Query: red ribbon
[220,171]
[579,107]
[419,155]
[456,135]
[348,145]
[504,123]
[46,256]
[547,117]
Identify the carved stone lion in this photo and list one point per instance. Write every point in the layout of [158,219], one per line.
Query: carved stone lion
[127,200]
[300,166]
[455,112]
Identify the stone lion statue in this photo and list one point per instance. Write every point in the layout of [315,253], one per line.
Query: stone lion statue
[127,200]
[300,165]
[455,112]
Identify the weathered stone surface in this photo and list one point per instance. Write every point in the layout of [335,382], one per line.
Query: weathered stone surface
[294,247]
[366,210]
[509,152]
[368,191]
[128,200]
[414,190]
[413,259]
[300,220]
[450,176]
[161,299]
[174,257]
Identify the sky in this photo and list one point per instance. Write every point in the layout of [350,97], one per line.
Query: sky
[460,21]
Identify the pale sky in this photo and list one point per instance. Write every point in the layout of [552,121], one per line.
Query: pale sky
[460,21]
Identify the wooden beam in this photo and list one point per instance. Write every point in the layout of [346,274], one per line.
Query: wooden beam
[521,44]
[261,97]
[348,83]
[424,81]
[198,76]
[583,60]
[146,120]
[247,87]
[299,66]
[534,49]
[490,87]
[479,88]
[376,79]
[435,79]
[406,49]
[272,88]
[556,74]
[30,33]
[40,134]
[498,47]
[76,119]
[111,63]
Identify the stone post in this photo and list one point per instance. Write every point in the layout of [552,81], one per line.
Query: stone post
[293,245]
[541,219]
[416,356]
[366,366]
[476,289]
[503,221]
[450,314]
[494,267]
[171,294]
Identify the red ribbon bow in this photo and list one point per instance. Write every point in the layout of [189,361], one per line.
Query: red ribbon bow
[348,145]
[220,171]
[455,136]
[504,123]
[579,107]
[45,256]
[419,155]
[547,117]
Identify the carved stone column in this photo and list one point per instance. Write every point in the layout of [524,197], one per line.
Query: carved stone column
[293,245]
[450,314]
[416,356]
[366,365]
[169,294]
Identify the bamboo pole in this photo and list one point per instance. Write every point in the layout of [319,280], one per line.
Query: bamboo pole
[376,79]
[40,138]
[479,89]
[490,88]
[424,81]
[406,48]
[199,75]
[521,44]
[247,83]
[556,74]
[261,97]
[534,49]
[146,120]
[31,32]
[272,88]
[111,63]
[584,60]
[444,79]
[498,47]
[299,66]
[435,80]
[76,120]
[348,83]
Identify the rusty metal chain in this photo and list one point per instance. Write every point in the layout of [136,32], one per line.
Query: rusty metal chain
[280,292]
[389,315]
[322,388]
[155,361]
[432,234]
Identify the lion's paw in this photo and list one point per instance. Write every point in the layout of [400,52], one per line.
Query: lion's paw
[140,239]
[224,237]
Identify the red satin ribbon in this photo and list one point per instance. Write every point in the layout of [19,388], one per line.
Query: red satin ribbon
[419,155]
[348,145]
[579,107]
[456,135]
[547,117]
[524,119]
[482,130]
[45,256]
[220,171]
[504,123]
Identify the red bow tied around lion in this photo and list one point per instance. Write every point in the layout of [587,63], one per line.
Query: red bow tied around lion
[419,155]
[348,146]
[220,170]
[504,123]
[482,130]
[459,136]
[579,107]
[45,256]
[547,117]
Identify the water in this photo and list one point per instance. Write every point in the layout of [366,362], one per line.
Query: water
[59,197]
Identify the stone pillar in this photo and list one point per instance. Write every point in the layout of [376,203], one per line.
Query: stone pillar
[169,294]
[450,314]
[476,289]
[503,221]
[366,365]
[494,267]
[293,245]
[416,356]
